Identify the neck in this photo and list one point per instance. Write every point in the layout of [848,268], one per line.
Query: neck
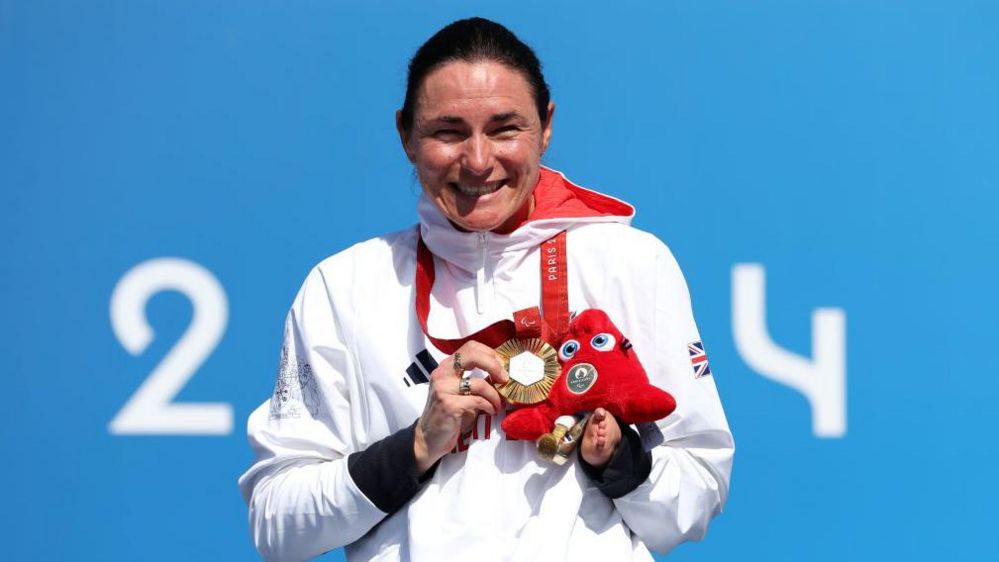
[518,218]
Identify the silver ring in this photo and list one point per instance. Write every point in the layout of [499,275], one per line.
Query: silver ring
[465,384]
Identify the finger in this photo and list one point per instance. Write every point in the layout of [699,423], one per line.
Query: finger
[472,404]
[448,369]
[442,387]
[448,365]
[461,403]
[443,376]
[477,386]
[443,379]
[613,434]
[611,424]
[475,355]
[487,391]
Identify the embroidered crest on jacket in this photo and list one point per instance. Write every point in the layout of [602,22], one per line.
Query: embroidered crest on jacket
[295,393]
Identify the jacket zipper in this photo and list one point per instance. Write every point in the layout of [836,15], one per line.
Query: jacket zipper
[480,277]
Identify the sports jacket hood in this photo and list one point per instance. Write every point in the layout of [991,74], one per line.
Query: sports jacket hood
[558,204]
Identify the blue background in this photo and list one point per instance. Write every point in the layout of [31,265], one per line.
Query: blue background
[849,146]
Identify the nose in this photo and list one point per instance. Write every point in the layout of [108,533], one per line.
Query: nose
[478,156]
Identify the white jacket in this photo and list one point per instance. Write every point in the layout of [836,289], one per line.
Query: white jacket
[350,370]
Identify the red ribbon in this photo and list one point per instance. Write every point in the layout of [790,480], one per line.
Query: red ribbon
[526,323]
[555,287]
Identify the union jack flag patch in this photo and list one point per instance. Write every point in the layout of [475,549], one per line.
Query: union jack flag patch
[698,359]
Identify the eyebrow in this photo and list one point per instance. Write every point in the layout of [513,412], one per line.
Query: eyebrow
[495,118]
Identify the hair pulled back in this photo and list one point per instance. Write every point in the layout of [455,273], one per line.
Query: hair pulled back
[474,40]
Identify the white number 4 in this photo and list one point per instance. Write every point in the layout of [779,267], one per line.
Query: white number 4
[151,410]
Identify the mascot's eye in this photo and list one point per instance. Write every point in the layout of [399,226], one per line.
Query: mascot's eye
[602,342]
[569,349]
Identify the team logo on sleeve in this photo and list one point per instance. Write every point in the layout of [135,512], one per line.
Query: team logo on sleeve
[698,359]
[295,393]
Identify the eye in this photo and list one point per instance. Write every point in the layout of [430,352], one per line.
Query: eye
[506,130]
[602,342]
[447,134]
[569,349]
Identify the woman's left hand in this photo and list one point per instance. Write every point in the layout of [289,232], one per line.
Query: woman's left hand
[600,439]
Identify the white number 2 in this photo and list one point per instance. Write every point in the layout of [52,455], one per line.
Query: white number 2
[150,410]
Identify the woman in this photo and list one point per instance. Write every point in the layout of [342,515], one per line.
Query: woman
[402,458]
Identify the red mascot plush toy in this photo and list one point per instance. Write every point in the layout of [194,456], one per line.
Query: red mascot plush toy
[599,370]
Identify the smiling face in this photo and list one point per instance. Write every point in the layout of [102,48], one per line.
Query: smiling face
[476,143]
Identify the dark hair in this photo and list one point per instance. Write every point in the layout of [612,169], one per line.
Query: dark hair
[474,40]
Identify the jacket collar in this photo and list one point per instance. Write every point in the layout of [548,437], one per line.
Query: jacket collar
[558,204]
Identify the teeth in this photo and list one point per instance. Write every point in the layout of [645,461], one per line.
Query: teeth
[475,190]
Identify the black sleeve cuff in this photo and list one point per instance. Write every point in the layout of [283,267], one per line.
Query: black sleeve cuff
[386,471]
[627,469]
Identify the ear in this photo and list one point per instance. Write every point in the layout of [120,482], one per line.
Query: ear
[403,136]
[546,132]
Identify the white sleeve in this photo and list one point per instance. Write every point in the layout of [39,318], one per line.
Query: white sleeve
[302,499]
[688,483]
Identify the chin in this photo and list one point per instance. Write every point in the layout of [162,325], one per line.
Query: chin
[489,212]
[478,225]
[482,217]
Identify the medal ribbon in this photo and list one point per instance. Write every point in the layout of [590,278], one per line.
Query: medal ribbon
[555,288]
[526,323]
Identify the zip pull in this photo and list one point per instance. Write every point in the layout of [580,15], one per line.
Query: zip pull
[481,284]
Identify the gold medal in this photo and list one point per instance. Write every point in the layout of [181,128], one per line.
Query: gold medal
[533,367]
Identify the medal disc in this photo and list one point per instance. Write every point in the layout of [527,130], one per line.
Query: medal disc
[533,367]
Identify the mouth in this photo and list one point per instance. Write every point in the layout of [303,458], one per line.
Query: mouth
[477,190]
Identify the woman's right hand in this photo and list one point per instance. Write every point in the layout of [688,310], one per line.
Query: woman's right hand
[448,412]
